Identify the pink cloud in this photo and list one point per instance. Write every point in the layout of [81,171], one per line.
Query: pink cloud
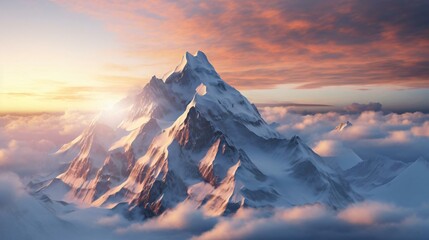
[184,217]
[398,136]
[304,213]
[257,44]
[366,213]
[422,131]
[361,220]
[27,142]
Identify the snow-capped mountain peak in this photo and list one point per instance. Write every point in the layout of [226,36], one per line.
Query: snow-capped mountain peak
[197,61]
[193,137]
[342,126]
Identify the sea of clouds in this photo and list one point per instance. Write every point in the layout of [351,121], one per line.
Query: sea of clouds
[28,141]
[403,137]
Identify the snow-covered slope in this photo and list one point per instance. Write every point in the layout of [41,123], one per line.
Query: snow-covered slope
[345,159]
[409,188]
[373,173]
[192,137]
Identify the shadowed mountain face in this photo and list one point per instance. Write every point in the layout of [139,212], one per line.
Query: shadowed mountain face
[192,137]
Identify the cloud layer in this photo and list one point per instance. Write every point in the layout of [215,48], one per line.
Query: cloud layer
[259,44]
[399,136]
[364,220]
[27,141]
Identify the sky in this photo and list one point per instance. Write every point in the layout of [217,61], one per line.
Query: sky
[85,55]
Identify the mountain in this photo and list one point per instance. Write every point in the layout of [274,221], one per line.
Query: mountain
[373,173]
[340,127]
[191,137]
[345,158]
[409,188]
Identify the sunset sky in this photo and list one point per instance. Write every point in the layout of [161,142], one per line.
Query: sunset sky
[85,55]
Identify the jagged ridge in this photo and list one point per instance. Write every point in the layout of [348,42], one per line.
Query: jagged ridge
[193,137]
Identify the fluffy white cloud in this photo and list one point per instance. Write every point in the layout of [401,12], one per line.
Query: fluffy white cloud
[399,136]
[24,217]
[366,220]
[27,141]
[185,220]
[422,130]
[367,213]
[10,188]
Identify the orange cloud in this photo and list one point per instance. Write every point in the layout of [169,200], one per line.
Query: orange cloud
[366,213]
[303,213]
[257,44]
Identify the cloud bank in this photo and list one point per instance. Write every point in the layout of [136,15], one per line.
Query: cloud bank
[398,136]
[27,141]
[367,220]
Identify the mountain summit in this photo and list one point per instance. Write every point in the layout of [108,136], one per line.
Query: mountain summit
[199,60]
[191,137]
[342,126]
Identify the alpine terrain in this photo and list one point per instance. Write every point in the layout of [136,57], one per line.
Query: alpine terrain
[191,137]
